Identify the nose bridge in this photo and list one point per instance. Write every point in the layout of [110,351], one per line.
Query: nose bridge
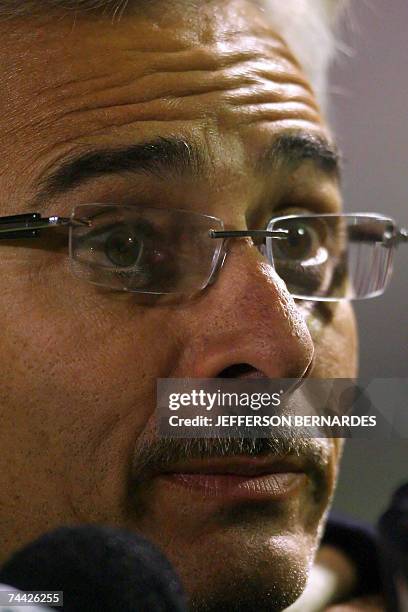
[250,309]
[236,243]
[247,258]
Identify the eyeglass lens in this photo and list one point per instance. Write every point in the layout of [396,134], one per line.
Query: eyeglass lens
[152,250]
[333,257]
[144,250]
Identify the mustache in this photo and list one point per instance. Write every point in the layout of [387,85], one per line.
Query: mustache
[157,455]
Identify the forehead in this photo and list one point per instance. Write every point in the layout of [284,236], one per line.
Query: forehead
[219,75]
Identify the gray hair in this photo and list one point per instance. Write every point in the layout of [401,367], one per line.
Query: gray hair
[306,25]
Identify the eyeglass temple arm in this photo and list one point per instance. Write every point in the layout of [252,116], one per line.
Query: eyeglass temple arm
[27,225]
[279,234]
[400,237]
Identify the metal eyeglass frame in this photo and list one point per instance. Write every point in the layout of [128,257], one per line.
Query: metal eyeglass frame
[29,225]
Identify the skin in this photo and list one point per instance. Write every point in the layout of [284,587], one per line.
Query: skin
[78,363]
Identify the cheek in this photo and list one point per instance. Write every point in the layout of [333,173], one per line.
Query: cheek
[79,354]
[80,367]
[336,343]
[334,333]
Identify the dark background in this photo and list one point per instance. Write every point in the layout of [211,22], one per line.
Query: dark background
[369,114]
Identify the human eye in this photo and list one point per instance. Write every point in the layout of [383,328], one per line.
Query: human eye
[306,241]
[121,246]
[300,245]
[133,253]
[310,259]
[117,246]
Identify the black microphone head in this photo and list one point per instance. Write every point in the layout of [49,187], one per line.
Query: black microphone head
[98,568]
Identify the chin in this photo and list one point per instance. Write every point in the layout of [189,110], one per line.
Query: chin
[244,572]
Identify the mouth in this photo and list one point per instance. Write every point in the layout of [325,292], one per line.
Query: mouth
[242,478]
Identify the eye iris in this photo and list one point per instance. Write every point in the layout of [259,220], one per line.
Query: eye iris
[297,244]
[123,249]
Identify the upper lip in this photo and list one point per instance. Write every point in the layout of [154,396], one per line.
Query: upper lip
[240,466]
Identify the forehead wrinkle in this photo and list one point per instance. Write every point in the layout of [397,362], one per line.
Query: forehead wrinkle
[176,117]
[241,106]
[155,92]
[231,48]
[116,89]
[185,100]
[189,53]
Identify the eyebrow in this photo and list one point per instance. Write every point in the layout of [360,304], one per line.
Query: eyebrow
[163,156]
[294,148]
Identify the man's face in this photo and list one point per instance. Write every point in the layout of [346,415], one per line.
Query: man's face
[79,363]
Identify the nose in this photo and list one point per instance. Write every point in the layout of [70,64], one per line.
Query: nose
[247,318]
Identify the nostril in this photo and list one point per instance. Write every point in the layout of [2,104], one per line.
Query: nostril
[235,370]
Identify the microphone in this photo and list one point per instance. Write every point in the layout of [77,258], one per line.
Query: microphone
[98,568]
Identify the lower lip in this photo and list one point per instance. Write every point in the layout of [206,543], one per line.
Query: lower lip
[276,486]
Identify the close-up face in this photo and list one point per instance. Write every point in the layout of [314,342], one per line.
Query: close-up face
[236,133]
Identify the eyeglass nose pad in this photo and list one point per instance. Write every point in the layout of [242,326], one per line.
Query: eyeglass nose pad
[262,249]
